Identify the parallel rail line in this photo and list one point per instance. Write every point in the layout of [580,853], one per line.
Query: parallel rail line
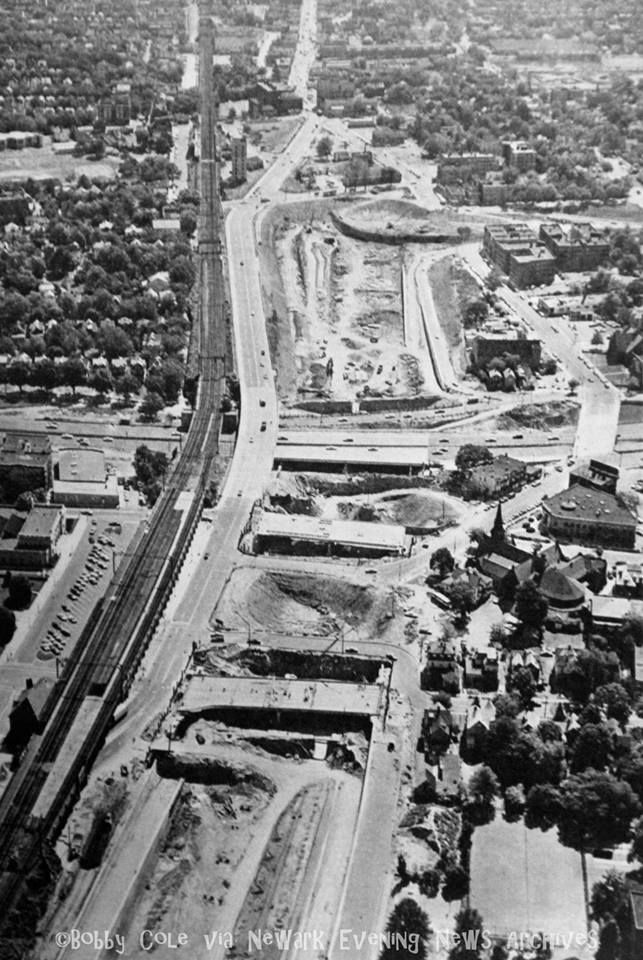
[114,640]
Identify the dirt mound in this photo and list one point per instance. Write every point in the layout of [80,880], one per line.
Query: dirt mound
[293,602]
[558,413]
[418,509]
[374,211]
[207,770]
[326,594]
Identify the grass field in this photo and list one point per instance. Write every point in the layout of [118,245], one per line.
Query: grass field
[41,162]
[525,881]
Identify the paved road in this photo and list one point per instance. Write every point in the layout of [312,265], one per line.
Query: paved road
[600,401]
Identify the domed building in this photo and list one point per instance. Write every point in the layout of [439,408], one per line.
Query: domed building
[560,591]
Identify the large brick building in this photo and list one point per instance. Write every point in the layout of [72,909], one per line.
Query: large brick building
[486,348]
[517,153]
[577,247]
[589,516]
[25,463]
[516,250]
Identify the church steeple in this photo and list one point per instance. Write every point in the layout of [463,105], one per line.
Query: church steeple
[498,529]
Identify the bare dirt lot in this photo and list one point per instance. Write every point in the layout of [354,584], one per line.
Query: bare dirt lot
[299,603]
[253,850]
[345,315]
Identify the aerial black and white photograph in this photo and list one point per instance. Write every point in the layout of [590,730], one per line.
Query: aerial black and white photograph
[321,480]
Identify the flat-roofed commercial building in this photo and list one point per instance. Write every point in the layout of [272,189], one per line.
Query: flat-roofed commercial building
[297,533]
[81,480]
[516,250]
[577,247]
[589,516]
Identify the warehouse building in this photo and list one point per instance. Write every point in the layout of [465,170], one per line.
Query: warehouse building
[299,534]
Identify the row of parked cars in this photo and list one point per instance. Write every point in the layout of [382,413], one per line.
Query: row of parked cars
[97,563]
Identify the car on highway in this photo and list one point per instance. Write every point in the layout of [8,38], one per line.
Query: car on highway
[517,436]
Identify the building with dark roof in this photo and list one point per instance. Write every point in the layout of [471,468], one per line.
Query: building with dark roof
[493,479]
[28,711]
[577,247]
[518,153]
[561,591]
[25,463]
[29,539]
[441,667]
[589,516]
[516,250]
[41,530]
[595,474]
[636,903]
[486,348]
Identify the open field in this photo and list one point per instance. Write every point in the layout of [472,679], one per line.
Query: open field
[524,880]
[40,163]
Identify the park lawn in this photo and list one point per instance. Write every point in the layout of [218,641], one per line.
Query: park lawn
[525,881]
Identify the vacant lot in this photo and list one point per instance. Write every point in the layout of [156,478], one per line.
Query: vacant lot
[40,163]
[524,880]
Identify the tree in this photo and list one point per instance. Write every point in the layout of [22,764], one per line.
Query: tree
[531,606]
[514,804]
[442,561]
[475,313]
[521,680]
[610,905]
[462,597]
[409,924]
[181,272]
[581,672]
[172,379]
[74,373]
[20,592]
[324,147]
[471,455]
[7,625]
[126,386]
[19,374]
[543,806]
[483,786]
[494,278]
[616,701]
[151,406]
[573,384]
[101,381]
[596,810]
[470,940]
[456,883]
[636,850]
[592,748]
[188,223]
[44,375]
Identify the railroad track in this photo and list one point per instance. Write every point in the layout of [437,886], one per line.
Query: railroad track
[111,646]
